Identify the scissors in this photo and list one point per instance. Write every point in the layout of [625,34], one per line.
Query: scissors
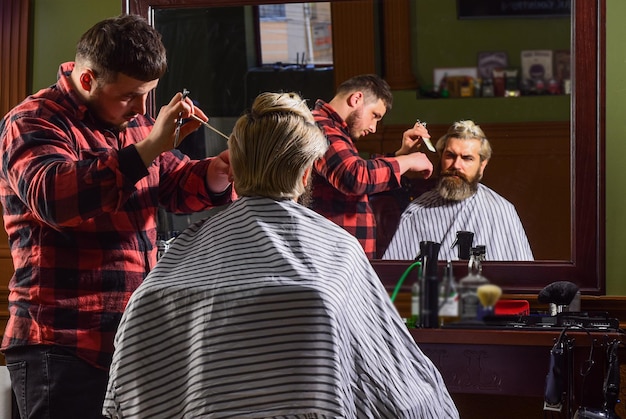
[179,122]
[426,141]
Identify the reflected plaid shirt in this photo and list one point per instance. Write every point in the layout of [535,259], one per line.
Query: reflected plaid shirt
[342,180]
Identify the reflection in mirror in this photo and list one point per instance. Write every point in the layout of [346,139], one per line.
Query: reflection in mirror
[585,266]
[529,134]
[461,203]
[238,52]
[227,55]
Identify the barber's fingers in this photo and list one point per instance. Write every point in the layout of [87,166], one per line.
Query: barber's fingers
[420,130]
[186,106]
[176,115]
[411,139]
[219,174]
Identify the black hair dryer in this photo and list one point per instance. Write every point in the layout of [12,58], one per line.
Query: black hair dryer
[429,284]
[611,389]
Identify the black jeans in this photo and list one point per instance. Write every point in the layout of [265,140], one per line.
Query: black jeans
[50,383]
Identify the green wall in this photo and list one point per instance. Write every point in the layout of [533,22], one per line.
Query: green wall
[615,146]
[59,23]
[441,40]
[57,26]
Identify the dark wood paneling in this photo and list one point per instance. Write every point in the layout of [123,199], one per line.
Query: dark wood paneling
[348,26]
[14,73]
[14,32]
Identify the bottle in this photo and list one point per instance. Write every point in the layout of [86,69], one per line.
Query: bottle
[468,297]
[443,87]
[448,297]
[478,86]
[415,304]
[487,88]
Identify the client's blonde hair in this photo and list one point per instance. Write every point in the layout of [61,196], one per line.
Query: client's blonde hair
[273,144]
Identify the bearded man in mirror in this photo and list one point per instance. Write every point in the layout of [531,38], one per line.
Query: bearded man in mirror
[461,203]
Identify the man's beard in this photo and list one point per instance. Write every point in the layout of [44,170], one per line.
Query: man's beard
[122,126]
[96,110]
[109,125]
[353,121]
[455,186]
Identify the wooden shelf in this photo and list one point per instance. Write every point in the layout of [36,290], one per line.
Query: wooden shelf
[408,106]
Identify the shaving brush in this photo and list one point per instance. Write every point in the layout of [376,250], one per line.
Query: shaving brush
[488,295]
[559,295]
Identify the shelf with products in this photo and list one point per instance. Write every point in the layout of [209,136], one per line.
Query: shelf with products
[407,107]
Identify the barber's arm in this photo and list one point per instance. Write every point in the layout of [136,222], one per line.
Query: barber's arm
[415,162]
[351,174]
[218,175]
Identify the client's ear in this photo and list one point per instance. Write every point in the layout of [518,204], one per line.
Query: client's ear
[306,176]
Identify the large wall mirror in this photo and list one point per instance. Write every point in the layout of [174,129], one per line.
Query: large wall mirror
[586,266]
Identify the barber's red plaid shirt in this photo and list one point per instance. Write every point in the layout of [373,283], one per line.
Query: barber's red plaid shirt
[80,212]
[342,180]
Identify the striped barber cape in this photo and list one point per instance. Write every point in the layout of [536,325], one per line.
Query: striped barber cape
[493,220]
[268,310]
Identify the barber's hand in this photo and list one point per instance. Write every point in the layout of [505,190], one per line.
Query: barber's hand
[168,117]
[163,133]
[415,162]
[411,139]
[219,174]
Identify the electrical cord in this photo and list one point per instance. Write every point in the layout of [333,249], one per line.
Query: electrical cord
[403,277]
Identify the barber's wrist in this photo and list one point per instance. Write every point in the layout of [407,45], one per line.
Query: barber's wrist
[223,197]
[131,163]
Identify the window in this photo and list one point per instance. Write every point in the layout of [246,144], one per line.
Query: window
[297,33]
[272,11]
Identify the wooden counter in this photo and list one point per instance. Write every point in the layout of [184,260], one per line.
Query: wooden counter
[502,373]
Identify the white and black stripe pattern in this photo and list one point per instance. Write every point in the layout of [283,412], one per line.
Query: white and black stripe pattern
[268,310]
[493,220]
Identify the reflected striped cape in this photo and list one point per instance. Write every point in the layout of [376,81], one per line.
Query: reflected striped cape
[492,219]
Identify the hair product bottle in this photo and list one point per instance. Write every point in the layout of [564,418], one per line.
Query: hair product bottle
[468,296]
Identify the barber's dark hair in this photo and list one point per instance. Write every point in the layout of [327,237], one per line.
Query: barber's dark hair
[124,44]
[372,86]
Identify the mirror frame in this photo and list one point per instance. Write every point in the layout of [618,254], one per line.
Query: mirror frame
[587,265]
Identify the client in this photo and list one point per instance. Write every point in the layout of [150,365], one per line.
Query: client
[461,203]
[268,309]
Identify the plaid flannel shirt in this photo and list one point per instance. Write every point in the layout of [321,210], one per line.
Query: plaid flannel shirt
[80,212]
[342,180]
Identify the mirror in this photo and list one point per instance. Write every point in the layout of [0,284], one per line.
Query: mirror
[587,265]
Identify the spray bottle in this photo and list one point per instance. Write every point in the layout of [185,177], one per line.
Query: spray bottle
[463,243]
[448,297]
[468,296]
